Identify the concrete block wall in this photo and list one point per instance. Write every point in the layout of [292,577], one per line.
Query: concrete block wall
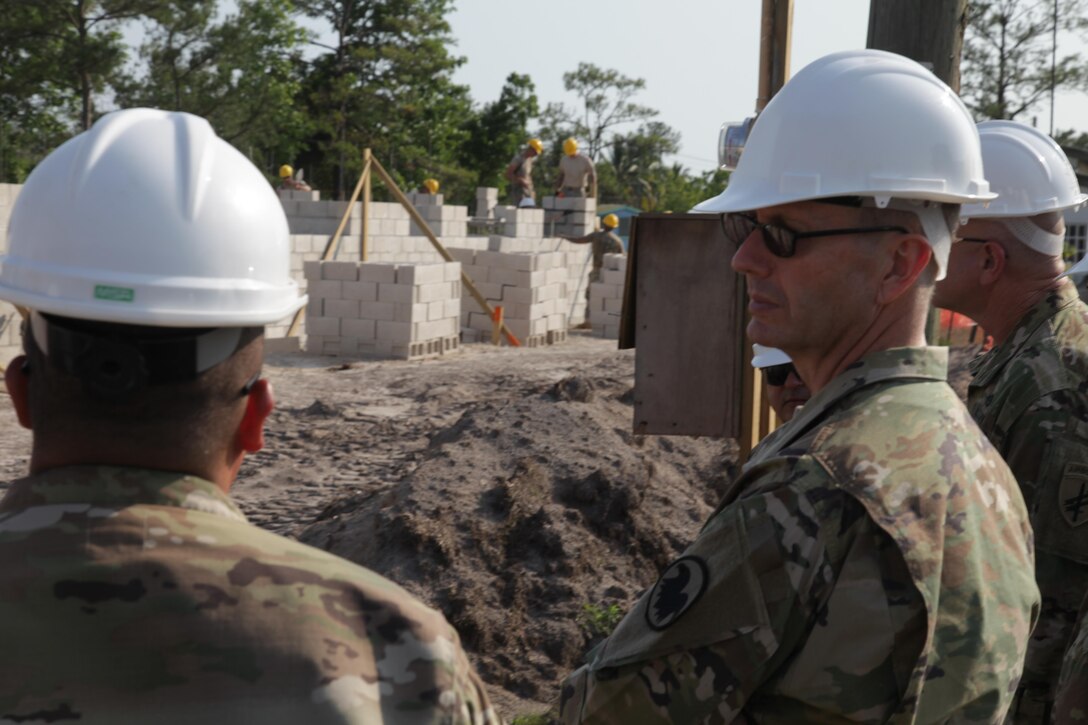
[515,222]
[570,217]
[532,288]
[606,297]
[369,309]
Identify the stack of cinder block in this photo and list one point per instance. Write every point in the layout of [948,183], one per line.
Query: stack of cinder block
[531,288]
[606,297]
[383,310]
[487,199]
[569,217]
[292,195]
[445,221]
[515,222]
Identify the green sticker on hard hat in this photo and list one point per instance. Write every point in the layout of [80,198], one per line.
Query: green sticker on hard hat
[113,294]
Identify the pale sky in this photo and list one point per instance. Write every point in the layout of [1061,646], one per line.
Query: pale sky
[699,58]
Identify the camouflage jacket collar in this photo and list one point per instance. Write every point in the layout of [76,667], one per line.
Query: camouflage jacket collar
[987,366]
[902,363]
[117,487]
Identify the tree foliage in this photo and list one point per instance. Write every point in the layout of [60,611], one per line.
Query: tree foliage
[1007,55]
[499,129]
[386,84]
[241,73]
[605,97]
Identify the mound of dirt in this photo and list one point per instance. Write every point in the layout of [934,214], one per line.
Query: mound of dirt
[526,511]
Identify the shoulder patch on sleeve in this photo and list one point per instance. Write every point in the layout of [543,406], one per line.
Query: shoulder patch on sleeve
[679,587]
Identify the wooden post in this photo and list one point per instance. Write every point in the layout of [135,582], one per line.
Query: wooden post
[496,325]
[334,240]
[422,224]
[364,232]
[776,33]
[774,49]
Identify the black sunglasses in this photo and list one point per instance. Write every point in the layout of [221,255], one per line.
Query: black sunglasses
[781,241]
[776,374]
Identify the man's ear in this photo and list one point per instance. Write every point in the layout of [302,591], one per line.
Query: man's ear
[909,258]
[17,381]
[259,404]
[994,261]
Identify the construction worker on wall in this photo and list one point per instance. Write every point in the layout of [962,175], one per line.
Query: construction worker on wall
[786,392]
[873,561]
[519,172]
[134,589]
[1029,393]
[289,182]
[575,170]
[604,242]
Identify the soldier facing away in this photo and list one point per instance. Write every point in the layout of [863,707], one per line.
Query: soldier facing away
[873,562]
[519,172]
[1029,393]
[132,590]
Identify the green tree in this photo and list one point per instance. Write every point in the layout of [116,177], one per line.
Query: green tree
[242,74]
[499,130]
[386,83]
[605,97]
[1007,55]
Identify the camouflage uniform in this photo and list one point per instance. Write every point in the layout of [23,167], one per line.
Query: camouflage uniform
[872,564]
[136,596]
[604,242]
[1071,703]
[1030,396]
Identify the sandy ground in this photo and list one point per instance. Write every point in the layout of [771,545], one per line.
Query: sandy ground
[502,486]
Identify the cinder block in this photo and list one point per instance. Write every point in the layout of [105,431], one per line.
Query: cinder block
[436,291]
[380,273]
[394,331]
[359,329]
[613,304]
[324,326]
[377,310]
[342,308]
[613,276]
[411,313]
[343,271]
[362,291]
[451,272]
[326,289]
[421,274]
[397,293]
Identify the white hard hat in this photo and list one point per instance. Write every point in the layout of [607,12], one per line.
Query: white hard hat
[1028,170]
[764,357]
[861,123]
[149,218]
[1031,175]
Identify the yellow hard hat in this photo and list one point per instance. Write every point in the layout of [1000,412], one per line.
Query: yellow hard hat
[535,145]
[286,171]
[431,185]
[570,147]
[610,221]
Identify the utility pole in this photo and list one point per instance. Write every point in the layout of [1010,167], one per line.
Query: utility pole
[929,32]
[775,35]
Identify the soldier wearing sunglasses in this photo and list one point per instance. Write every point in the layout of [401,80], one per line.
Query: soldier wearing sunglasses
[873,561]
